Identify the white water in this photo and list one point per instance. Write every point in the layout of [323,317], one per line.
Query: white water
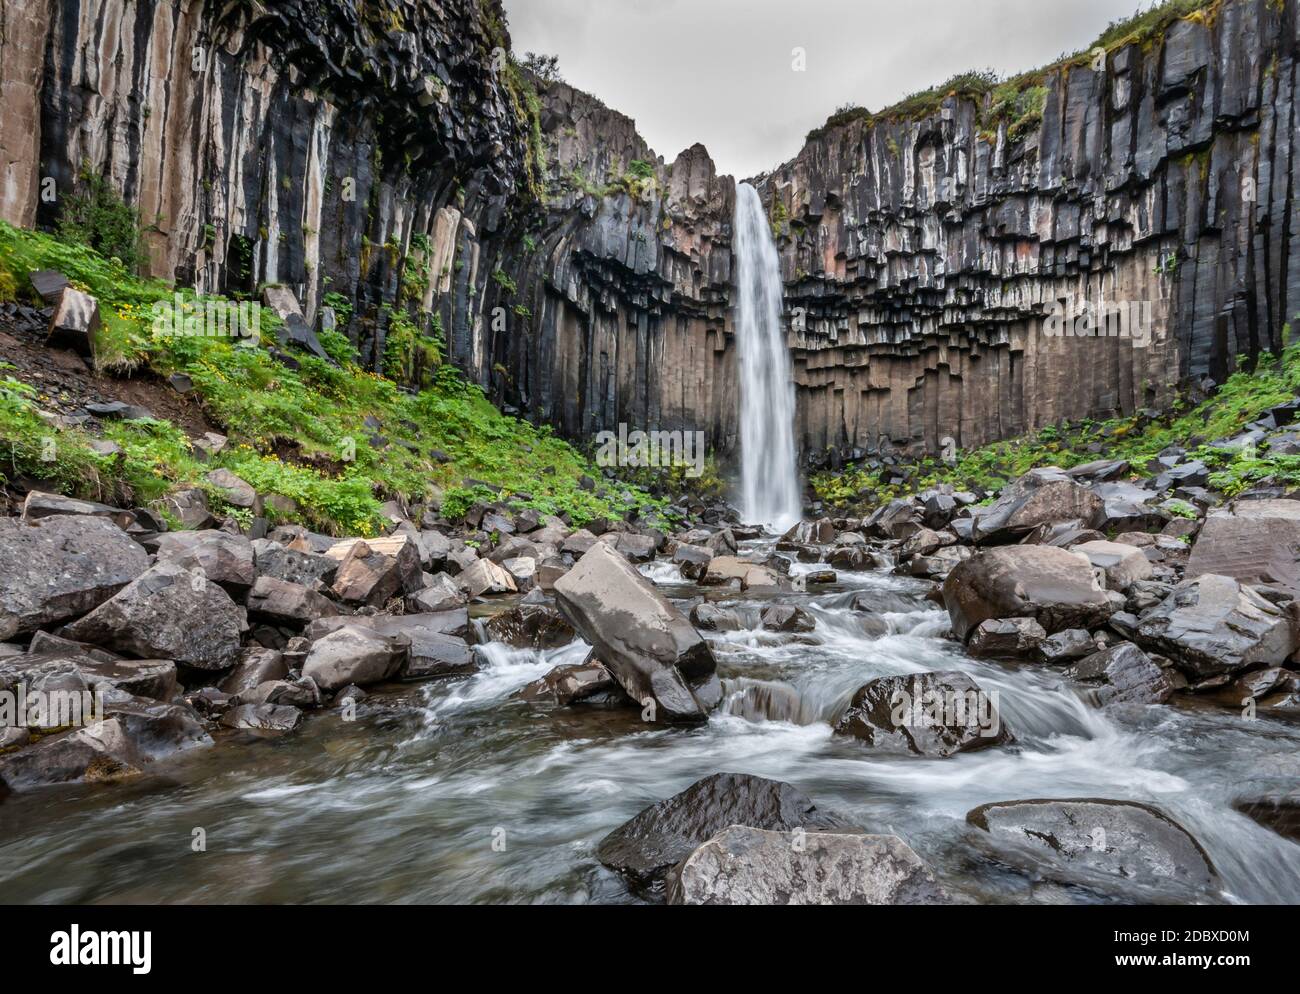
[769,480]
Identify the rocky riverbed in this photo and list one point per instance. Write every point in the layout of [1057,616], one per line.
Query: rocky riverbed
[509,708]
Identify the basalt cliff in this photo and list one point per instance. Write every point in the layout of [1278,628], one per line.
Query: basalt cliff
[392,153]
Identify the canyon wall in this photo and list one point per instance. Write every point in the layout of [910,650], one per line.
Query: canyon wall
[390,153]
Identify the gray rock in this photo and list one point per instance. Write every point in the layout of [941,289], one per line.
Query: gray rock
[169,612]
[1213,624]
[1256,542]
[645,641]
[1073,643]
[435,655]
[645,848]
[1041,496]
[1095,841]
[710,618]
[354,654]
[288,603]
[441,593]
[787,618]
[1122,565]
[256,665]
[1279,811]
[307,568]
[60,568]
[530,626]
[484,577]
[99,753]
[263,719]
[1055,587]
[583,683]
[237,492]
[367,575]
[1124,674]
[750,866]
[224,558]
[1006,637]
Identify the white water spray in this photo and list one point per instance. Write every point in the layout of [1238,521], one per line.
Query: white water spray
[769,480]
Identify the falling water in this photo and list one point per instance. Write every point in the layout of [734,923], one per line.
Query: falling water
[768,478]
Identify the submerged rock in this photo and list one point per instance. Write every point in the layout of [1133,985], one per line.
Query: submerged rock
[588,682]
[1279,811]
[742,865]
[530,626]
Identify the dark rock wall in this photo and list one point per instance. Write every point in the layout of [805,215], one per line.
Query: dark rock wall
[920,256]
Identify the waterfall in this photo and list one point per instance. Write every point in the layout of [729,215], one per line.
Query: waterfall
[769,480]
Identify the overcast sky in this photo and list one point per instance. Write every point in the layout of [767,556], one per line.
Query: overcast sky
[719,71]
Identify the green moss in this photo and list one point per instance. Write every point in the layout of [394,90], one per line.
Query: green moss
[94,215]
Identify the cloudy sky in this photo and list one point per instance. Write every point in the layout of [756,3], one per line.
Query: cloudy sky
[719,71]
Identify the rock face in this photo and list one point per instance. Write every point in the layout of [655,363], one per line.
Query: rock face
[1255,542]
[645,642]
[743,865]
[925,253]
[169,612]
[1088,840]
[60,568]
[1053,586]
[664,834]
[924,714]
[1213,624]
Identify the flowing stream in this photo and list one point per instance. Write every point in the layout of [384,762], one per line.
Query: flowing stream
[454,791]
[769,480]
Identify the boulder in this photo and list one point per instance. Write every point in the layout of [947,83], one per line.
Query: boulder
[256,665]
[282,602]
[723,570]
[924,714]
[787,618]
[582,683]
[1006,637]
[300,693]
[645,641]
[579,543]
[1279,811]
[307,568]
[266,719]
[750,866]
[1088,840]
[168,612]
[410,625]
[1255,542]
[75,322]
[530,626]
[441,593]
[235,491]
[156,729]
[372,573]
[485,577]
[60,568]
[710,618]
[224,558]
[1054,587]
[1123,674]
[37,505]
[645,848]
[1073,643]
[1213,624]
[692,560]
[98,753]
[354,654]
[433,654]
[189,508]
[1041,496]
[1122,565]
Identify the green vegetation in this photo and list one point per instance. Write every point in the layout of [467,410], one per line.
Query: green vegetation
[299,433]
[94,215]
[1246,396]
[1018,101]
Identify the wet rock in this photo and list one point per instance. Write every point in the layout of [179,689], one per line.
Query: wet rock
[710,618]
[750,866]
[441,594]
[288,603]
[1213,624]
[224,558]
[168,612]
[1122,565]
[938,565]
[787,618]
[1279,811]
[60,568]
[589,682]
[156,729]
[1146,594]
[354,654]
[638,548]
[645,848]
[692,560]
[151,678]
[267,719]
[1089,840]
[1123,674]
[1073,643]
[374,572]
[1006,637]
[411,625]
[300,693]
[924,714]
[531,626]
[726,570]
[256,665]
[434,655]
[924,543]
[1052,586]
[99,753]
[646,642]
[485,577]
[818,532]
[1041,496]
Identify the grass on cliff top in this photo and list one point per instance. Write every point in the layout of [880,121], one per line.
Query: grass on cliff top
[1245,397]
[299,433]
[1019,100]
